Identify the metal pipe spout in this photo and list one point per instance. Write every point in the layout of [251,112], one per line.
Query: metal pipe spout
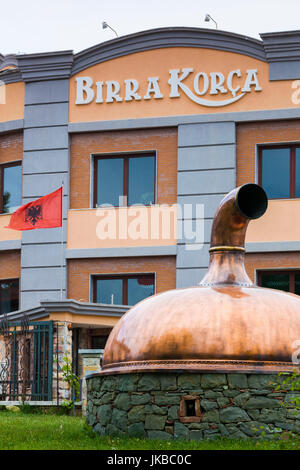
[227,246]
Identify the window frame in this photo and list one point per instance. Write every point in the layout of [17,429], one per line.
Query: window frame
[2,167]
[9,280]
[292,148]
[290,272]
[125,156]
[123,277]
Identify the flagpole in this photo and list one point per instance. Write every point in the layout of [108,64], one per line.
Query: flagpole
[62,245]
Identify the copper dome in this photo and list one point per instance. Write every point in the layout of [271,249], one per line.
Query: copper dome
[224,324]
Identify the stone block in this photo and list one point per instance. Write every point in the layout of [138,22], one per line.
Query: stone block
[261,402]
[233,414]
[250,428]
[91,419]
[127,382]
[213,380]
[137,430]
[119,419]
[106,398]
[168,382]
[148,382]
[223,401]
[211,416]
[235,433]
[95,384]
[159,435]
[238,381]
[254,414]
[231,393]
[208,405]
[173,412]
[223,430]
[260,381]
[140,398]
[136,414]
[157,410]
[104,413]
[196,435]
[112,430]
[198,426]
[181,431]
[98,429]
[188,381]
[108,384]
[165,399]
[122,401]
[241,399]
[156,422]
[213,394]
[211,434]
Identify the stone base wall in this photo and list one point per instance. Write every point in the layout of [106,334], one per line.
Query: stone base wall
[61,348]
[149,405]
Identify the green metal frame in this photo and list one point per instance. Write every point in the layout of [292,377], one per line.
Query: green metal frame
[42,361]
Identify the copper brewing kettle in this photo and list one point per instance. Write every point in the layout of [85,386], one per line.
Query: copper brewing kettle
[224,324]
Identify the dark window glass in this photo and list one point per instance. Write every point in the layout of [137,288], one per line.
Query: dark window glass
[125,290]
[124,180]
[11,187]
[9,295]
[109,291]
[297,173]
[141,180]
[288,281]
[297,284]
[139,289]
[275,168]
[276,281]
[110,180]
[99,342]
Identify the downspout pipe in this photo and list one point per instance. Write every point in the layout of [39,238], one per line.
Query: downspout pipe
[227,246]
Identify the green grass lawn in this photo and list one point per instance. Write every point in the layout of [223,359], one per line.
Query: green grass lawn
[23,431]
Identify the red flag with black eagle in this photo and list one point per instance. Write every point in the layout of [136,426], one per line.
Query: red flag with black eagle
[45,212]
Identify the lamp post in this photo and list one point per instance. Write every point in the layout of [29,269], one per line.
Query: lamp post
[208,18]
[105,25]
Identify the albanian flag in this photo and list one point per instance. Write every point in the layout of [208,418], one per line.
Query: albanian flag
[45,212]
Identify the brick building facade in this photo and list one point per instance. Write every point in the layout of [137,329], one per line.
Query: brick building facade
[168,119]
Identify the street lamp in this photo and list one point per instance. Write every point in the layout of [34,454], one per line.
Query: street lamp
[105,25]
[208,18]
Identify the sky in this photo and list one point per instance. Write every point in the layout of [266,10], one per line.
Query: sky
[30,26]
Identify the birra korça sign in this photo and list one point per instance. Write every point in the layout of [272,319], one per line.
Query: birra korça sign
[204,87]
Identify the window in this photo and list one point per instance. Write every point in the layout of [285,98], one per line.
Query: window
[190,410]
[11,183]
[124,179]
[279,171]
[9,295]
[123,290]
[288,281]
[98,342]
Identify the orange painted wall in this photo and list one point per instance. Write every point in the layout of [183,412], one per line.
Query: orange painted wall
[79,271]
[280,223]
[157,63]
[6,233]
[14,106]
[151,228]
